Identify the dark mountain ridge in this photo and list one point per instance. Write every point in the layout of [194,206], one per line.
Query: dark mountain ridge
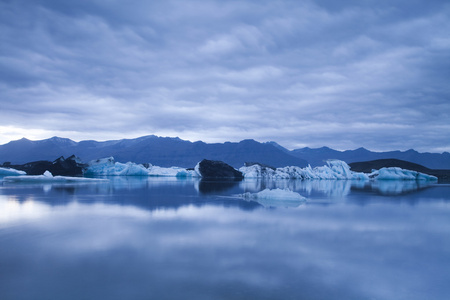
[161,151]
[318,156]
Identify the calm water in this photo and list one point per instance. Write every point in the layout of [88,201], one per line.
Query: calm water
[147,238]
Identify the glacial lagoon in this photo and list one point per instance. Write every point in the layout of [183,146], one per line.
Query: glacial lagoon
[171,238]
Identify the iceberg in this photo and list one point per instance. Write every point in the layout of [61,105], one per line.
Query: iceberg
[48,177]
[335,169]
[11,172]
[275,197]
[109,167]
[171,172]
[395,173]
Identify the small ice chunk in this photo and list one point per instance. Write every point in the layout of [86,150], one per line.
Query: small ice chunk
[47,174]
[275,197]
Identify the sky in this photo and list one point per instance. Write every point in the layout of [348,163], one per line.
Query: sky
[343,74]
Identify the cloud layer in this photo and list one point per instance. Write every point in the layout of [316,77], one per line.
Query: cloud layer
[310,73]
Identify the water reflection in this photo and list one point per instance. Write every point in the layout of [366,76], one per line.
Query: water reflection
[120,187]
[214,186]
[168,238]
[388,187]
[105,250]
[335,188]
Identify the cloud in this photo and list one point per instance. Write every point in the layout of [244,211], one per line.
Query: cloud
[283,71]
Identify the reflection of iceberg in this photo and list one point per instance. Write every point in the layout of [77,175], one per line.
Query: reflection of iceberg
[11,172]
[48,177]
[398,187]
[275,197]
[108,167]
[333,188]
[137,182]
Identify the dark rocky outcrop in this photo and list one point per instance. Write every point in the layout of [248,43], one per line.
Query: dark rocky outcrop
[71,166]
[214,169]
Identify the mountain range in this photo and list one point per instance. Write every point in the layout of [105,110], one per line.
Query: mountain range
[160,151]
[167,151]
[317,156]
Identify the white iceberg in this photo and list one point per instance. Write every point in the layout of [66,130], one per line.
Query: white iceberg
[11,172]
[109,167]
[275,197]
[335,169]
[394,173]
[171,172]
[48,177]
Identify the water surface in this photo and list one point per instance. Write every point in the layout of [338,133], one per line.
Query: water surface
[167,238]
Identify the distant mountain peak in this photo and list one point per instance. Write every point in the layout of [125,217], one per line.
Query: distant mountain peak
[60,141]
[278,146]
[20,141]
[57,138]
[248,141]
[411,151]
[361,149]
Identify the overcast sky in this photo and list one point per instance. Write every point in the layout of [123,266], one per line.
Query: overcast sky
[343,74]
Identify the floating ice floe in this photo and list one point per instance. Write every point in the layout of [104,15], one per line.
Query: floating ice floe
[275,197]
[48,177]
[11,172]
[109,167]
[394,173]
[335,169]
[171,172]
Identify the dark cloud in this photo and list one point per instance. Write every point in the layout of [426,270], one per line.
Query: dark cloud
[313,73]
